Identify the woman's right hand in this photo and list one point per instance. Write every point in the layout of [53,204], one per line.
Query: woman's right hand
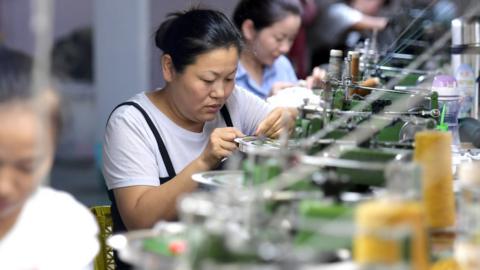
[220,145]
[317,78]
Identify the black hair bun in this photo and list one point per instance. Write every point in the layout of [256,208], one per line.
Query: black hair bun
[163,32]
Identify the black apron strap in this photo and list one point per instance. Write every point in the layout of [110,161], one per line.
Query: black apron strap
[161,146]
[226,116]
[118,225]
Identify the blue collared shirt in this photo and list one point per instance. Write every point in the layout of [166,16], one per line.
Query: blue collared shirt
[281,71]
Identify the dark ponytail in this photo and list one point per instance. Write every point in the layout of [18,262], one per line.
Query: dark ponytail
[264,13]
[161,32]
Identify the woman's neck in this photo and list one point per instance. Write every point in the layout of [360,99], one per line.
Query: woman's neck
[253,67]
[165,102]
[7,223]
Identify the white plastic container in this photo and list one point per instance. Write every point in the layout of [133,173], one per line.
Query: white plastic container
[449,95]
[465,77]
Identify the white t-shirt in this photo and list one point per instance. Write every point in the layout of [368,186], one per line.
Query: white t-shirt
[53,231]
[130,151]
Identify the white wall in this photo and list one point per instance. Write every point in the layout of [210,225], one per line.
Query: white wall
[122,55]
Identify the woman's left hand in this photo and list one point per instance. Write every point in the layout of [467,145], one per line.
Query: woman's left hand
[276,122]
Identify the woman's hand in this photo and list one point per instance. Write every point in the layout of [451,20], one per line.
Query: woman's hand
[276,122]
[220,145]
[317,78]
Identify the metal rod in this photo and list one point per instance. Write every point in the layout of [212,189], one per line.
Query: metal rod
[342,163]
[401,70]
[408,92]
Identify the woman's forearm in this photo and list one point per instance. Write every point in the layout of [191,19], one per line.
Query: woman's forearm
[370,23]
[142,206]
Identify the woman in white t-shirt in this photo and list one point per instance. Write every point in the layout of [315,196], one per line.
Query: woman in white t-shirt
[40,228]
[156,141]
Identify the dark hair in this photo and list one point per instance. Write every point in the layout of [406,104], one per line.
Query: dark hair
[15,69]
[264,13]
[16,85]
[72,56]
[186,35]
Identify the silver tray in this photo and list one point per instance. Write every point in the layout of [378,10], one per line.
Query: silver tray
[254,144]
[220,178]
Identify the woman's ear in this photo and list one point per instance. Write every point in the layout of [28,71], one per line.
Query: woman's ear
[167,68]
[248,29]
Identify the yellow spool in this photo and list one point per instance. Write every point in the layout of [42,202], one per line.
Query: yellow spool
[447,264]
[376,218]
[433,153]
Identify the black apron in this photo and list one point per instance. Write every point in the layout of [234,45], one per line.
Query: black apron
[118,225]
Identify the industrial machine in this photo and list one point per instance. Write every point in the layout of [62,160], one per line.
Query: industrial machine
[291,203]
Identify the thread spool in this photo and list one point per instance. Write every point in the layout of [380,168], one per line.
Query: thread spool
[467,243]
[433,153]
[469,175]
[355,66]
[375,242]
[335,65]
[446,264]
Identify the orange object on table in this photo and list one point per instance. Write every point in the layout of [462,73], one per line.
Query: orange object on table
[371,82]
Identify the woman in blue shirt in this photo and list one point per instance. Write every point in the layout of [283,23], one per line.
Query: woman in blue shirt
[268,28]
